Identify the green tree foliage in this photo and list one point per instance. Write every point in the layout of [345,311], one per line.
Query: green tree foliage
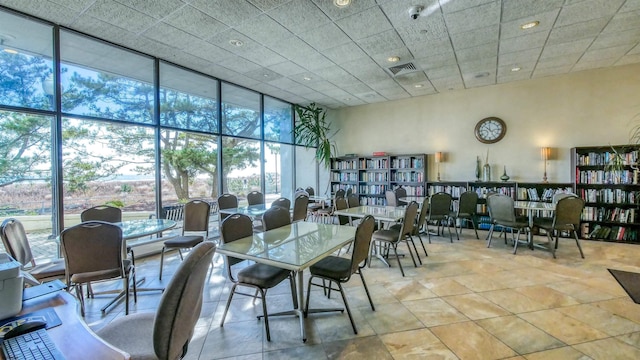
[312,129]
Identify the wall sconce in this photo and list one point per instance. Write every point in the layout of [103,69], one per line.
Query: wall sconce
[546,155]
[438,158]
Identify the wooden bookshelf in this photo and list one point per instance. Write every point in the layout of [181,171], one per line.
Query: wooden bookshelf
[612,197]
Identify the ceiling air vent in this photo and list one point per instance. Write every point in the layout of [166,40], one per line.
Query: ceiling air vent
[402,69]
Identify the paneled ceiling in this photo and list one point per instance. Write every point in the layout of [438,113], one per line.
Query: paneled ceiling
[306,51]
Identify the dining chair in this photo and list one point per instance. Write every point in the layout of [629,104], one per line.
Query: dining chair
[255,198]
[300,207]
[502,213]
[17,245]
[339,270]
[467,210]
[396,234]
[106,213]
[390,196]
[196,220]
[275,217]
[282,202]
[167,332]
[93,251]
[326,214]
[565,218]
[353,200]
[258,276]
[313,205]
[439,212]
[342,204]
[226,201]
[420,223]
[400,192]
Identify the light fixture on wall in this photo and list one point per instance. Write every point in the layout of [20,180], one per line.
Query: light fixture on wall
[546,155]
[438,158]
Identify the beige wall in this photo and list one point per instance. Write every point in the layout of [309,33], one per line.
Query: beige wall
[581,109]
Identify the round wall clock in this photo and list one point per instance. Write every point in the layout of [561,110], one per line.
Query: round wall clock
[490,130]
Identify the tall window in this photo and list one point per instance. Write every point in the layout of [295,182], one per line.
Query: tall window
[306,172]
[241,166]
[278,121]
[240,112]
[278,170]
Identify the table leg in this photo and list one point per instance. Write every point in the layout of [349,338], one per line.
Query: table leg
[300,310]
[530,236]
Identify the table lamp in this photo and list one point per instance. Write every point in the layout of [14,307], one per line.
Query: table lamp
[546,153]
[438,158]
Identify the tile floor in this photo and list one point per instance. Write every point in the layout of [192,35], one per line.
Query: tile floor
[464,302]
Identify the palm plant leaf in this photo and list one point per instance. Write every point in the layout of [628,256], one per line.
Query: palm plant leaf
[313,130]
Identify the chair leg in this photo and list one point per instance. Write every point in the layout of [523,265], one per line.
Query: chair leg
[226,308]
[516,240]
[80,296]
[409,243]
[366,289]
[428,232]
[575,235]
[126,295]
[306,307]
[161,261]
[455,228]
[422,243]
[395,251]
[449,229]
[490,235]
[135,289]
[263,294]
[346,305]
[475,226]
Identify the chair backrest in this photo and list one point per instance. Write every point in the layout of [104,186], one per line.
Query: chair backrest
[468,203]
[106,213]
[93,246]
[234,227]
[501,208]
[558,196]
[15,241]
[390,195]
[408,223]
[342,204]
[310,191]
[353,200]
[300,207]
[196,216]
[298,193]
[568,213]
[440,204]
[362,242]
[348,192]
[339,193]
[227,201]
[255,198]
[422,216]
[181,303]
[282,202]
[275,217]
[400,193]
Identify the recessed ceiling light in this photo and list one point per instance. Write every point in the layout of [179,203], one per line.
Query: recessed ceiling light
[529,25]
[347,99]
[393,59]
[516,68]
[424,31]
[418,86]
[306,78]
[236,42]
[481,75]
[10,51]
[341,3]
[265,75]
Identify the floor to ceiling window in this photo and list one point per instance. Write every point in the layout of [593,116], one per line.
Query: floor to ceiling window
[278,157]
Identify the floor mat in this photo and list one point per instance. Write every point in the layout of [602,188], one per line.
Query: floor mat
[629,281]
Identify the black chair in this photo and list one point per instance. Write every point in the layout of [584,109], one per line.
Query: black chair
[353,200]
[226,201]
[502,213]
[338,270]
[467,209]
[400,193]
[420,221]
[398,233]
[282,202]
[390,196]
[106,213]
[259,276]
[255,198]
[565,218]
[275,217]
[439,211]
[300,208]
[196,220]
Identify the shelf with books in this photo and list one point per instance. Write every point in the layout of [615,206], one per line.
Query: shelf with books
[454,188]
[611,191]
[541,191]
[408,171]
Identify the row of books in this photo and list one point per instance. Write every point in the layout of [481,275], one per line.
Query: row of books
[374,176]
[618,233]
[484,190]
[407,176]
[531,194]
[353,177]
[407,163]
[345,165]
[609,196]
[336,187]
[373,189]
[604,177]
[374,163]
[412,190]
[604,158]
[620,215]
[454,191]
[367,200]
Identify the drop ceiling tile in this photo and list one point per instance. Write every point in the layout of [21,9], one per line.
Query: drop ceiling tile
[469,39]
[292,47]
[623,21]
[284,83]
[458,5]
[615,52]
[577,46]
[443,72]
[630,5]
[588,29]
[120,15]
[239,64]
[352,101]
[431,20]
[435,61]
[383,59]
[336,75]
[416,77]
[386,84]
[448,83]
[365,23]
[222,40]
[207,50]
[587,10]
[323,85]
[519,57]
[512,28]
[517,76]
[337,94]
[473,82]
[47,10]
[287,68]
[395,93]
[383,43]
[300,90]
[477,52]
[479,66]
[264,30]
[313,61]
[324,37]
[264,75]
[525,42]
[228,12]
[344,53]
[266,89]
[157,8]
[96,27]
[630,37]
[358,89]
[335,12]
[551,71]
[431,48]
[299,16]
[473,18]
[559,61]
[239,79]
[514,10]
[79,5]
[628,59]
[635,50]
[195,22]
[263,56]
[171,36]
[266,5]
[596,64]
[506,71]
[426,89]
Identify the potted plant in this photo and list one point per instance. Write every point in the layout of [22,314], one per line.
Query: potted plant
[312,129]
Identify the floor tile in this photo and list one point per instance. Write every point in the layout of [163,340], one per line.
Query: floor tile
[370,347]
[513,301]
[476,307]
[467,340]
[416,344]
[433,312]
[611,348]
[518,334]
[562,327]
[392,318]
[563,353]
[601,319]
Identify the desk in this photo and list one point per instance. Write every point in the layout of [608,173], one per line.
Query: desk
[293,247]
[531,207]
[74,339]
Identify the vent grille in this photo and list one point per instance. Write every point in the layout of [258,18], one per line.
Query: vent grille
[402,69]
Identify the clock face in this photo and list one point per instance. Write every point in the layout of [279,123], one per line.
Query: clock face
[490,130]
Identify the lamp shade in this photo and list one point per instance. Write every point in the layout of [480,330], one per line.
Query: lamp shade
[546,153]
[438,157]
